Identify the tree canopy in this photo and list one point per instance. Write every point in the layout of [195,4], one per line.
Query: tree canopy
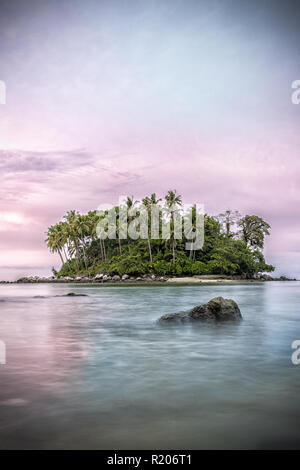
[232,244]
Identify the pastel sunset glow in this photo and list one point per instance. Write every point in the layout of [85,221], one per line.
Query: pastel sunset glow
[110,98]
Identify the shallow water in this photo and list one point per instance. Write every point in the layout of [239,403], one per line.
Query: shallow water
[97,371]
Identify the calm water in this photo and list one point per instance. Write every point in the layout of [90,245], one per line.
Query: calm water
[99,372]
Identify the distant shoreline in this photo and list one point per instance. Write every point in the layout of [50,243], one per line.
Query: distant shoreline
[127,280]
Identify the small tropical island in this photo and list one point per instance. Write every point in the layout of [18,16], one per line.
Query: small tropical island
[233,246]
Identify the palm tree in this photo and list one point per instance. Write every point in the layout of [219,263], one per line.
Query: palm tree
[94,219]
[71,219]
[227,219]
[149,203]
[54,241]
[62,229]
[118,221]
[82,231]
[193,215]
[130,203]
[173,201]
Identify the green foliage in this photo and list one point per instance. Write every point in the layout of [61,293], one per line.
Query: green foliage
[126,264]
[253,230]
[70,268]
[261,265]
[198,267]
[76,242]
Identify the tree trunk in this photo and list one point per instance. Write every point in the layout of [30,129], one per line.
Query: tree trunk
[150,252]
[104,251]
[67,259]
[84,256]
[62,260]
[101,252]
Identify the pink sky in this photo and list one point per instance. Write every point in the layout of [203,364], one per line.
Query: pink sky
[115,101]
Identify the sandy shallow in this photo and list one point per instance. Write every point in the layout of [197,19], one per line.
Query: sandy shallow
[201,281]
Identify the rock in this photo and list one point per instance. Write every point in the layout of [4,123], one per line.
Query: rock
[153,276]
[116,278]
[98,277]
[139,279]
[124,277]
[175,317]
[217,309]
[72,294]
[78,278]
[266,277]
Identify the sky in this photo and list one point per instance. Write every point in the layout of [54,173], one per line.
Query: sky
[110,98]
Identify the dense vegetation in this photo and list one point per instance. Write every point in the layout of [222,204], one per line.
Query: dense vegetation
[232,245]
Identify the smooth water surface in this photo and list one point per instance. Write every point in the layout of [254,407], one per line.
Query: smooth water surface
[97,371]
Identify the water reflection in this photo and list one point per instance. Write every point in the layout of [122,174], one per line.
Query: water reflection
[99,372]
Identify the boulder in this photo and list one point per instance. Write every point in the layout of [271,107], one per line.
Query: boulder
[116,278]
[216,310]
[98,277]
[124,277]
[266,277]
[73,294]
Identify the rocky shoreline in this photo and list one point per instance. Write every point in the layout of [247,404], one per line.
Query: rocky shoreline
[102,278]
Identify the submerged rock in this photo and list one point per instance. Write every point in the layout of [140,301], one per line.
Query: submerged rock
[72,294]
[217,309]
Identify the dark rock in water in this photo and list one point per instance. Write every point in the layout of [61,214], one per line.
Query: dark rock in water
[217,309]
[175,317]
[72,294]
